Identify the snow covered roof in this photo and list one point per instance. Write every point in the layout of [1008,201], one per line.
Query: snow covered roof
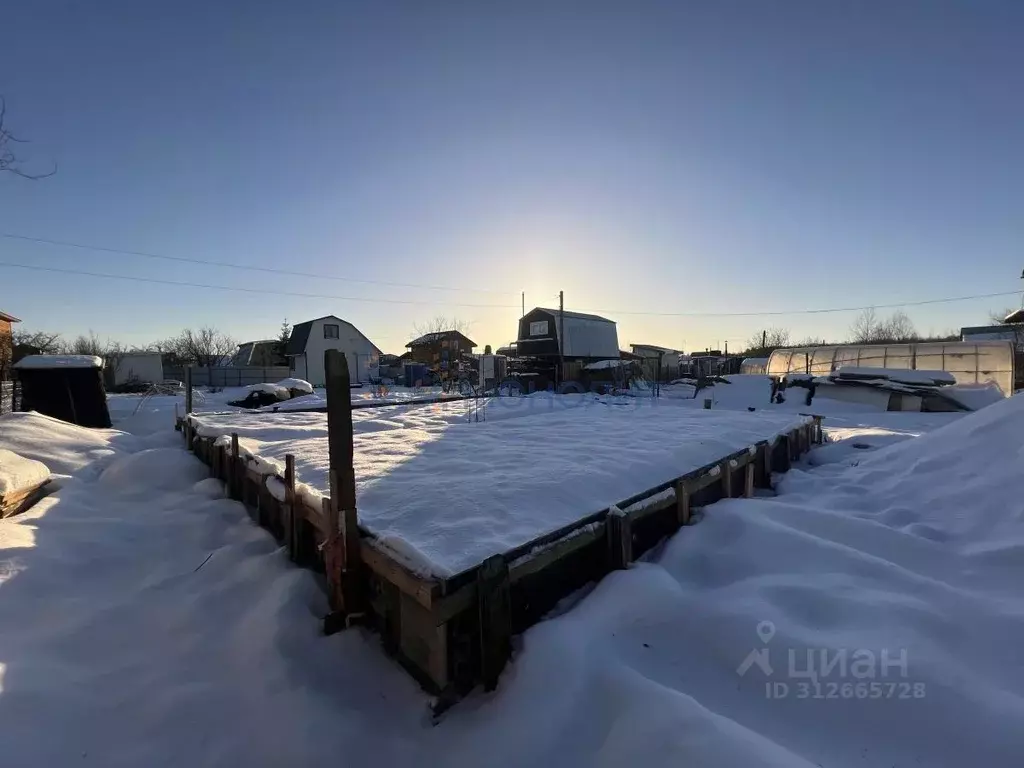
[654,348]
[1017,316]
[9,318]
[430,338]
[58,361]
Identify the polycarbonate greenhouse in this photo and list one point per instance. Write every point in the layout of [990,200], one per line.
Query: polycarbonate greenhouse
[970,362]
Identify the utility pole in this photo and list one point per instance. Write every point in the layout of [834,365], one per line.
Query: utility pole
[524,305]
[561,336]
[726,347]
[764,339]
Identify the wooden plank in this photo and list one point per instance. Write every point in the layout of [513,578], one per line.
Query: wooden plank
[748,480]
[726,472]
[234,491]
[528,565]
[20,501]
[334,556]
[682,503]
[288,511]
[493,593]
[423,591]
[422,642]
[620,540]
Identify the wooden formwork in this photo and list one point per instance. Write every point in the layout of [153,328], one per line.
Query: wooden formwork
[454,633]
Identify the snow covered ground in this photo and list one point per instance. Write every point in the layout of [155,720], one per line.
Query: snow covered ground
[870,614]
[448,490]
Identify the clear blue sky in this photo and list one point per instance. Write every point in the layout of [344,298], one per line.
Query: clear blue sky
[646,157]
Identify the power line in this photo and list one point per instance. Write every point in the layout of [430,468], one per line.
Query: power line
[821,311]
[274,292]
[248,267]
[184,284]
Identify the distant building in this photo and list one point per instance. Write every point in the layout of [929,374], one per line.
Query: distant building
[309,341]
[264,353]
[441,350]
[6,344]
[587,337]
[1009,331]
[141,367]
[655,356]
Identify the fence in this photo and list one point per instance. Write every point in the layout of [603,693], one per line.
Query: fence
[229,377]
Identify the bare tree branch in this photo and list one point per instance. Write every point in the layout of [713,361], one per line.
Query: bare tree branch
[9,161]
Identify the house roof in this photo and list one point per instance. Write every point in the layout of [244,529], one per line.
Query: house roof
[1017,316]
[430,338]
[656,348]
[575,315]
[9,318]
[300,335]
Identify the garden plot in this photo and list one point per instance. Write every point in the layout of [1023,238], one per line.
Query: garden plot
[448,485]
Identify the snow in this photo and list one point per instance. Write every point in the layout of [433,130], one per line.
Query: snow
[18,473]
[58,361]
[278,391]
[456,491]
[896,374]
[601,365]
[299,384]
[162,627]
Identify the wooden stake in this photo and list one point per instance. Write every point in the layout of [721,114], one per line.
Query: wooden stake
[289,523]
[726,468]
[344,522]
[493,588]
[188,389]
[234,486]
[682,503]
[748,478]
[620,540]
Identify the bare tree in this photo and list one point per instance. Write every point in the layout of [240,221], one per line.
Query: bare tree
[9,160]
[868,328]
[764,343]
[206,347]
[27,342]
[439,324]
[865,327]
[86,345]
[899,327]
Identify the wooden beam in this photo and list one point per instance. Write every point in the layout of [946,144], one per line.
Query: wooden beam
[343,481]
[234,486]
[492,580]
[289,514]
[748,480]
[620,540]
[726,472]
[682,503]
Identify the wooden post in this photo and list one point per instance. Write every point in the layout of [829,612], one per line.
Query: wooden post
[682,503]
[620,540]
[343,539]
[234,486]
[748,478]
[188,389]
[288,523]
[726,469]
[493,589]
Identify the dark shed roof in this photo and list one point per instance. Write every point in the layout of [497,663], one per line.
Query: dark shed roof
[577,315]
[430,338]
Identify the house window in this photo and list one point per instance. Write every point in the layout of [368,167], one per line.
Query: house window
[331,332]
[539,328]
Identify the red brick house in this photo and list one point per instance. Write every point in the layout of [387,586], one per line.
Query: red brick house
[6,344]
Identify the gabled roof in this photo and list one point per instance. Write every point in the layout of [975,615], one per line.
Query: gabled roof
[300,335]
[575,315]
[1017,316]
[430,338]
[9,318]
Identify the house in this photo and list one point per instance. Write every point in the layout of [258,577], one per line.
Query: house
[141,367]
[440,350]
[263,353]
[6,344]
[309,341]
[654,356]
[587,337]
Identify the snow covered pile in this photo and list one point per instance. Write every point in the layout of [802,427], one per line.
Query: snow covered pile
[64,448]
[454,490]
[58,361]
[296,386]
[18,473]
